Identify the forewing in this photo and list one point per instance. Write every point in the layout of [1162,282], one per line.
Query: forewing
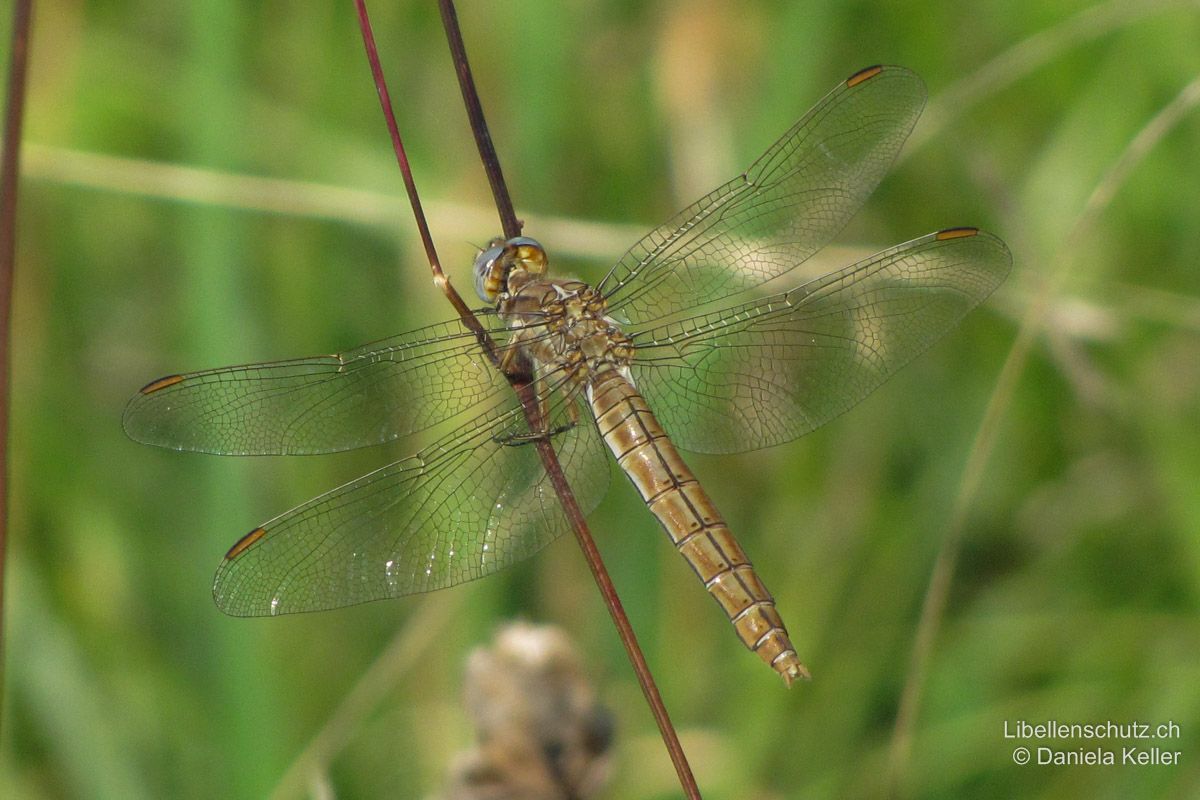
[768,371]
[787,206]
[372,394]
[475,502]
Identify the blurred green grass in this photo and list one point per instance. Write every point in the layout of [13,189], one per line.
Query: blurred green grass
[1075,594]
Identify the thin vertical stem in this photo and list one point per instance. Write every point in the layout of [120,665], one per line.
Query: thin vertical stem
[524,389]
[483,139]
[410,186]
[10,165]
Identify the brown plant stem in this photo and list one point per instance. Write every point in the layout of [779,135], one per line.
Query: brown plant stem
[410,186]
[483,139]
[523,389]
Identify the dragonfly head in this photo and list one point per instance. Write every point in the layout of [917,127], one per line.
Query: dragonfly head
[503,260]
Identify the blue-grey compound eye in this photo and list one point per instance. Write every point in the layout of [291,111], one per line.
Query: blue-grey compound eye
[487,283]
[524,241]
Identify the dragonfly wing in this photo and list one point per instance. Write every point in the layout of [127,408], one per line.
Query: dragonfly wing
[787,206]
[372,394]
[473,503]
[771,370]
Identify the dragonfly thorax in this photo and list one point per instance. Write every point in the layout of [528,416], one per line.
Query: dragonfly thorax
[559,324]
[563,324]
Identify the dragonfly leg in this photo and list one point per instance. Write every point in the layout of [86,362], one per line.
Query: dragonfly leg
[518,439]
[572,409]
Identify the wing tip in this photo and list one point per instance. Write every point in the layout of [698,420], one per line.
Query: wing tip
[244,543]
[947,234]
[875,70]
[864,75]
[161,383]
[956,233]
[999,265]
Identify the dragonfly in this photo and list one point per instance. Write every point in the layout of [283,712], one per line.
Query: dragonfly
[682,345]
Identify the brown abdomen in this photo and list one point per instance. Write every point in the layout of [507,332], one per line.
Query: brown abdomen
[689,517]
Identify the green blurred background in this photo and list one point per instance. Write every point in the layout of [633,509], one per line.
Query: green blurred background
[150,243]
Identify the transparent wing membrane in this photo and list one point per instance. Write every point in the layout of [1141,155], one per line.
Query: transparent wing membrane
[771,370]
[372,394]
[785,208]
[463,508]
